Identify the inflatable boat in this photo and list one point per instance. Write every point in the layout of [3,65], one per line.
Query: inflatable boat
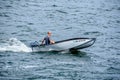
[68,44]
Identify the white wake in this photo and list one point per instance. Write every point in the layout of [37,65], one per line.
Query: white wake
[14,45]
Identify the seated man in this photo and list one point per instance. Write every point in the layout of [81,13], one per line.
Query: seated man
[47,39]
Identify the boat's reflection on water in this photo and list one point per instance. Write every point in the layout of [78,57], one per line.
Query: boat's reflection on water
[77,53]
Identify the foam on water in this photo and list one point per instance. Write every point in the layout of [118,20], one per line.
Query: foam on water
[14,45]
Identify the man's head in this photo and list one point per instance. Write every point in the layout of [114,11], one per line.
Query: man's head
[49,33]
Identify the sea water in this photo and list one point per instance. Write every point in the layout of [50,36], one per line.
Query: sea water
[25,21]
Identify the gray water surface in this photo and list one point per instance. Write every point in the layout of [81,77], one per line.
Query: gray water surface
[24,21]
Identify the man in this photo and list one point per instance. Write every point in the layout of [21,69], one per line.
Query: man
[47,39]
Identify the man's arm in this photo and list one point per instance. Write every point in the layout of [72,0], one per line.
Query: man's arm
[52,42]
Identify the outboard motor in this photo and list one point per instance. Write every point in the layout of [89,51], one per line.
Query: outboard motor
[34,44]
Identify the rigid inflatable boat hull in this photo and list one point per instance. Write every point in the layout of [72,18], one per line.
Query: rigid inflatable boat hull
[74,43]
